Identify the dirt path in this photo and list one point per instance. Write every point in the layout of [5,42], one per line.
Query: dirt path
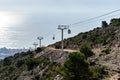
[68,50]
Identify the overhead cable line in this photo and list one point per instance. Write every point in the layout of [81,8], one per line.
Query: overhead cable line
[87,22]
[96,17]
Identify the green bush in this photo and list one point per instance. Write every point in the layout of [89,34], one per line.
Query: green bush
[57,46]
[32,53]
[104,24]
[20,63]
[84,36]
[115,22]
[34,62]
[118,71]
[86,50]
[107,50]
[7,61]
[76,67]
[11,69]
[97,72]
[40,49]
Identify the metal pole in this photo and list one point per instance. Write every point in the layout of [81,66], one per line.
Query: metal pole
[35,44]
[62,40]
[40,43]
[40,39]
[35,47]
[62,28]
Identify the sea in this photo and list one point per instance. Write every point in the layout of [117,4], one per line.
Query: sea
[14,39]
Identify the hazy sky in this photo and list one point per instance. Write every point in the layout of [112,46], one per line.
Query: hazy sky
[32,18]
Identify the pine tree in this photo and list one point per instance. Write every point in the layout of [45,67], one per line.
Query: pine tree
[76,67]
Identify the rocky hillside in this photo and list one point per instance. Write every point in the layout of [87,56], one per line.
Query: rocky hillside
[48,63]
[41,64]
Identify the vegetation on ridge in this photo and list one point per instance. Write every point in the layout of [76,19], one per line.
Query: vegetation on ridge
[77,66]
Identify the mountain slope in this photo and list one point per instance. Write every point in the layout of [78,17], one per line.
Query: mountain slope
[47,63]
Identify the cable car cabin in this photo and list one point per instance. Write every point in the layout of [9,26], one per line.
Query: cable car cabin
[53,37]
[69,31]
